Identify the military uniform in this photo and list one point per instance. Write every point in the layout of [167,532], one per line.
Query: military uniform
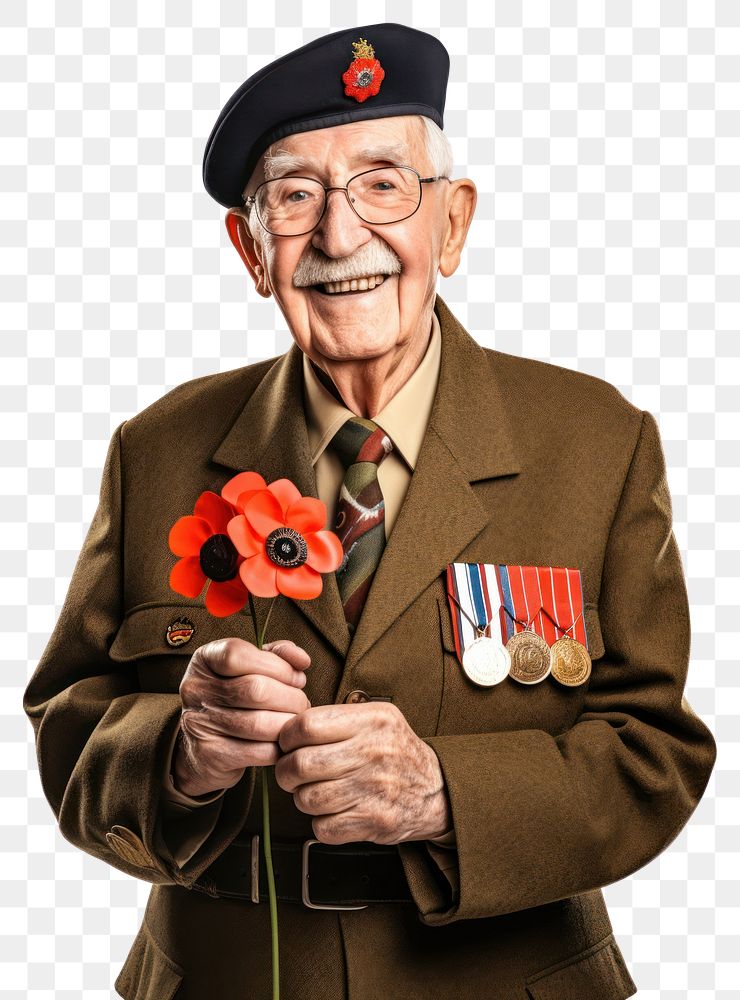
[555,792]
[405,419]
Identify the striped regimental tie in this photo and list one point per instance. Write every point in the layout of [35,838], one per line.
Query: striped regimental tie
[360,520]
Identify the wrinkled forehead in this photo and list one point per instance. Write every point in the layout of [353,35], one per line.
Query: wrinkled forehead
[354,146]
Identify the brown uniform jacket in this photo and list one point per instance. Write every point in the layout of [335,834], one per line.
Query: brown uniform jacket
[555,792]
[404,418]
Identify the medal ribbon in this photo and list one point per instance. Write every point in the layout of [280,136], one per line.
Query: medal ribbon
[538,597]
[468,587]
[545,595]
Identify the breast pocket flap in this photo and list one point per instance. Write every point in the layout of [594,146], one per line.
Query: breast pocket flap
[164,629]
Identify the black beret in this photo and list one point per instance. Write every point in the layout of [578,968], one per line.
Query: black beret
[373,71]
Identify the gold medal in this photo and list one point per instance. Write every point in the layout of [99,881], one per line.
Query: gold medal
[530,657]
[485,661]
[570,662]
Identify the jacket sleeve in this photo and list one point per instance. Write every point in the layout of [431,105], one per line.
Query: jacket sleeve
[103,744]
[186,822]
[541,817]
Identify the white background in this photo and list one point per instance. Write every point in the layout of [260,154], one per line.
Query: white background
[604,142]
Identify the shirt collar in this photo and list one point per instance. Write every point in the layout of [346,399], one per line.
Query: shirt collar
[404,417]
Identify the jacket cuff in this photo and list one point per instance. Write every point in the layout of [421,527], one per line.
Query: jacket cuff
[446,840]
[187,822]
[431,888]
[432,872]
[174,795]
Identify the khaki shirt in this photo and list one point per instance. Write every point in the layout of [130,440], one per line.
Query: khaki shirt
[404,418]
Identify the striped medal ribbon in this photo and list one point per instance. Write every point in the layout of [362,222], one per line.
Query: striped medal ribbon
[533,603]
[485,659]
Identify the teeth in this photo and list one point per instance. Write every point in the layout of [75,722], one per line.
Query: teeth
[355,285]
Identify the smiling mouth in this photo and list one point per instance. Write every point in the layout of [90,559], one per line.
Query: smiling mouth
[353,287]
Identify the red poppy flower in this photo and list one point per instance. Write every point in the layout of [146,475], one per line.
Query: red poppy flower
[363,77]
[208,556]
[279,534]
[243,482]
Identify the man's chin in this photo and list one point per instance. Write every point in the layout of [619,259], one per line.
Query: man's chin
[342,343]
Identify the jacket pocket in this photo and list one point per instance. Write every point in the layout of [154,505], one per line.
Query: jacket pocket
[599,971]
[158,639]
[144,631]
[148,974]
[548,705]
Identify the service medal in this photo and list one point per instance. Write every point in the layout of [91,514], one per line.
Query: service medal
[530,657]
[486,661]
[570,662]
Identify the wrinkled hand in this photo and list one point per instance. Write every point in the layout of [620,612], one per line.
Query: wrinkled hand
[235,700]
[364,773]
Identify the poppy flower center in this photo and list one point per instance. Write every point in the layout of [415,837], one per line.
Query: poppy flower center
[219,558]
[286,547]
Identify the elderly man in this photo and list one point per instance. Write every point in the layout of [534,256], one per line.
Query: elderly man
[457,771]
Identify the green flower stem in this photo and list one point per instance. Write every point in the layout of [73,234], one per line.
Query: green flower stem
[271,885]
[264,627]
[267,843]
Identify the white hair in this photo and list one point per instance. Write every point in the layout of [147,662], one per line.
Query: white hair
[435,142]
[438,147]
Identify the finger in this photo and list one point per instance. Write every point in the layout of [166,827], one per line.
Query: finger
[307,765]
[255,691]
[234,657]
[237,723]
[321,798]
[212,756]
[345,828]
[332,723]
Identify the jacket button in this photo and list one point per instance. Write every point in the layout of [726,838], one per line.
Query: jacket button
[356,696]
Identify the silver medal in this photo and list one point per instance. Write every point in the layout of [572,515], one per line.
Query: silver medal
[486,662]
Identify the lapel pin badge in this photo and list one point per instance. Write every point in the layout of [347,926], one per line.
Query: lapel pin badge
[179,631]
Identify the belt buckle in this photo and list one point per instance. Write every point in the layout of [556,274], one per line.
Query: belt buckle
[304,885]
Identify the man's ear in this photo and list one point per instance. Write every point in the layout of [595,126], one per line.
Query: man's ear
[462,204]
[246,245]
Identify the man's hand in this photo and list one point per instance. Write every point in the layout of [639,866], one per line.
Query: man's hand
[236,698]
[365,773]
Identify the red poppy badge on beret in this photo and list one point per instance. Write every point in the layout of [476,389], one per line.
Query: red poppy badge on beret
[364,75]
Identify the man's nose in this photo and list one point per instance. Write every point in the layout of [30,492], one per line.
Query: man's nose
[341,231]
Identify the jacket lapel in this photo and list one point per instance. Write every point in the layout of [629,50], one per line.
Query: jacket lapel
[270,437]
[468,439]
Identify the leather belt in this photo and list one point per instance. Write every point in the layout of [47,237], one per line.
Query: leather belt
[321,876]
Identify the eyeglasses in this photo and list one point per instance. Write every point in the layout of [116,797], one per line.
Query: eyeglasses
[294,206]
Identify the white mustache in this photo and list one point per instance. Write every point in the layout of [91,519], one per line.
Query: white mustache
[315,268]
